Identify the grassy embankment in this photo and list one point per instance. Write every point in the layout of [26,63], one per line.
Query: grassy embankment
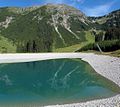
[89,39]
[6,46]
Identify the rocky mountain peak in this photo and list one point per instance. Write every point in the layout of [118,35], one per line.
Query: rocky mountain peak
[63,9]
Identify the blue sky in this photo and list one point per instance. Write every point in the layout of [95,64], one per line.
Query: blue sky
[89,7]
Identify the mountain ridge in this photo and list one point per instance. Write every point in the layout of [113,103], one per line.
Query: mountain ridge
[45,28]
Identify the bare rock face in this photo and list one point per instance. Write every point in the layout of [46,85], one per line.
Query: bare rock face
[63,9]
[6,23]
[63,15]
[64,12]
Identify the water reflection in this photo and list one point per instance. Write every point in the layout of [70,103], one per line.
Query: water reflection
[65,80]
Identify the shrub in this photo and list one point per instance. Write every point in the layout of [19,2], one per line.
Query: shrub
[105,46]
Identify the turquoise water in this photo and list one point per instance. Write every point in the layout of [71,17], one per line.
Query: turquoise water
[48,82]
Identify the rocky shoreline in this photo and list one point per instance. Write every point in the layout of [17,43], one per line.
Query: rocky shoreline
[106,66]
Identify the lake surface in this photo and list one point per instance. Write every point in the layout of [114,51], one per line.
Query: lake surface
[57,81]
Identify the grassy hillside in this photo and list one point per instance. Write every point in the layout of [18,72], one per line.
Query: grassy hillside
[108,37]
[46,29]
[6,46]
[55,28]
[89,39]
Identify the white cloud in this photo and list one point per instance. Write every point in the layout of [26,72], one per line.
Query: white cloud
[99,10]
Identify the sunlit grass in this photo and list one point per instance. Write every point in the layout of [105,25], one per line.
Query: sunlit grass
[89,39]
[6,46]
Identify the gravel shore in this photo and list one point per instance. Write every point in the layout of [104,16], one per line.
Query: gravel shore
[107,66]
